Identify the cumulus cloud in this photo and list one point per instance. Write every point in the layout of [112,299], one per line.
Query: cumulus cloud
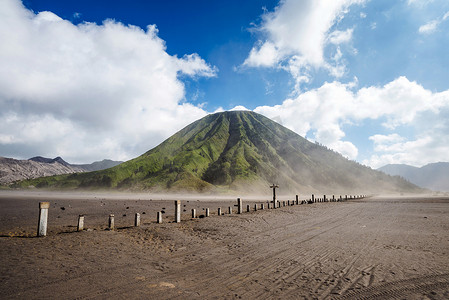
[239,107]
[296,33]
[321,114]
[88,91]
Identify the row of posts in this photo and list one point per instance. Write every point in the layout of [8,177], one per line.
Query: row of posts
[44,206]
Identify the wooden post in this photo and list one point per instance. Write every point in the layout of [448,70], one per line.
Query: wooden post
[255,206]
[247,208]
[193,213]
[159,217]
[313,198]
[297,199]
[137,220]
[230,210]
[111,222]
[207,212]
[80,226]
[333,198]
[262,207]
[324,198]
[177,211]
[288,202]
[219,211]
[274,186]
[43,217]
[240,206]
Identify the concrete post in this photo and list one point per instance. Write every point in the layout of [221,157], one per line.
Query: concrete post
[177,211]
[159,217]
[43,217]
[207,212]
[137,220]
[111,222]
[193,213]
[80,226]
[219,211]
[240,206]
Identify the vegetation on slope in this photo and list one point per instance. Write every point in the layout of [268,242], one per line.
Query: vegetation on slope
[237,149]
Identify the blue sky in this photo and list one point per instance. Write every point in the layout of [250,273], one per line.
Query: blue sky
[89,80]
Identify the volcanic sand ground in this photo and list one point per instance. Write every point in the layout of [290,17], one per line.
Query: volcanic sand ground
[373,248]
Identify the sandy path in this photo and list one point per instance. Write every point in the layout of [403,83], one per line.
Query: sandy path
[374,248]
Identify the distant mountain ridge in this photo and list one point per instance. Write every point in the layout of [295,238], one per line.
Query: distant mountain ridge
[13,169]
[49,160]
[95,166]
[235,150]
[434,176]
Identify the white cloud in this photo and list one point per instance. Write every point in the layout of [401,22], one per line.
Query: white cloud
[239,107]
[265,55]
[88,91]
[323,112]
[419,3]
[339,37]
[432,25]
[429,27]
[296,34]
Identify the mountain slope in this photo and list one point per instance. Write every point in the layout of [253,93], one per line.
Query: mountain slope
[98,165]
[236,150]
[12,169]
[433,176]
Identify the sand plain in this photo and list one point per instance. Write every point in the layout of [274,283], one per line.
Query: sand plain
[372,248]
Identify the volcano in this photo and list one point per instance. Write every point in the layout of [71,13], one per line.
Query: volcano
[236,150]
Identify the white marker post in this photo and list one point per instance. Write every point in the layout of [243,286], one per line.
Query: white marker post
[43,217]
[80,223]
[177,211]
[111,222]
[137,220]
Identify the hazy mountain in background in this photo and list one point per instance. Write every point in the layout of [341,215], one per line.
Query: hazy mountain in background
[236,150]
[49,160]
[99,165]
[433,176]
[13,169]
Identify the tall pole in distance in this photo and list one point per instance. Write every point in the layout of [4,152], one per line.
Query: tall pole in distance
[274,186]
